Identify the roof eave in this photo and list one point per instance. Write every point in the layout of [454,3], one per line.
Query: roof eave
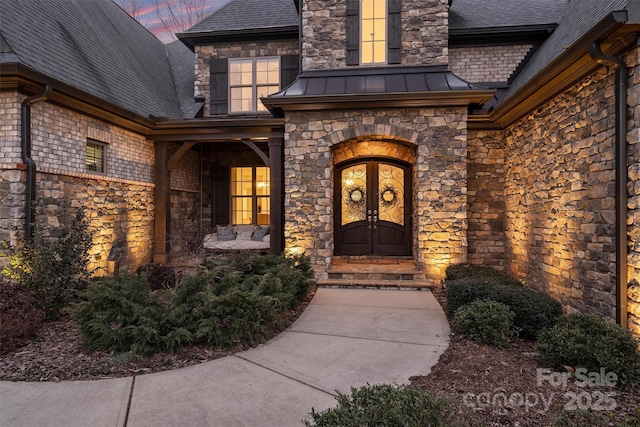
[193,39]
[223,129]
[570,67]
[17,76]
[512,35]
[378,100]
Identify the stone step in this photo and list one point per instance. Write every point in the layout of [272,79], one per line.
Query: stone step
[366,283]
[406,275]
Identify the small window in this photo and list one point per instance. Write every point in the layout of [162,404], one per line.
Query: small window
[249,80]
[96,156]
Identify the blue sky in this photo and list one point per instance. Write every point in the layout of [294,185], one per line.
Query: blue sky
[149,18]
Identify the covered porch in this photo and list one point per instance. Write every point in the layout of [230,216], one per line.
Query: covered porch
[223,151]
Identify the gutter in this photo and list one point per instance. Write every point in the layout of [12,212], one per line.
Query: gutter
[621,176]
[25,140]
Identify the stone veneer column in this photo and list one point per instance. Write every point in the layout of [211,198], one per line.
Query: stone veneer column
[440,178]
[276,191]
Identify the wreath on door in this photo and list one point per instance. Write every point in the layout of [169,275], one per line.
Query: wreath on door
[388,196]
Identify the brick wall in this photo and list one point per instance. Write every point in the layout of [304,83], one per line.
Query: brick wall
[486,63]
[204,54]
[10,128]
[119,203]
[438,136]
[425,33]
[559,193]
[485,153]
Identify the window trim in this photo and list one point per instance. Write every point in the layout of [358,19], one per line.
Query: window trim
[254,193]
[95,143]
[254,85]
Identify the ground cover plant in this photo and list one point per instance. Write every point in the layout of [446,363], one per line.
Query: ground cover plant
[236,301]
[20,320]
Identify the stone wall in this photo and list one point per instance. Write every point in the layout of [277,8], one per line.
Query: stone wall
[439,178]
[633,138]
[559,193]
[120,214]
[425,33]
[119,202]
[485,153]
[486,63]
[204,54]
[186,235]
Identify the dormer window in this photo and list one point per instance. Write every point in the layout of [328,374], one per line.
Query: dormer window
[374,34]
[249,80]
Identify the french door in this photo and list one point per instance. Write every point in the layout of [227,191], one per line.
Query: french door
[373,208]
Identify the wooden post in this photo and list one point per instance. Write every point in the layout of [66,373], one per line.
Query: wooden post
[276,167]
[162,205]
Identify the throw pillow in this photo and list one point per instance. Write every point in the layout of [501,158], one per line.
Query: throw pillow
[259,233]
[225,233]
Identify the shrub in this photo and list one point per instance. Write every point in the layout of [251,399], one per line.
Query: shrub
[387,405]
[581,418]
[54,268]
[160,276]
[20,320]
[533,310]
[239,301]
[588,341]
[488,322]
[482,272]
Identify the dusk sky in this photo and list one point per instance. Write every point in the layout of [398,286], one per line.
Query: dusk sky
[149,18]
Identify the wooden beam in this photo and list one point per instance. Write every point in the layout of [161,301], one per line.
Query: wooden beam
[276,168]
[258,151]
[162,205]
[173,161]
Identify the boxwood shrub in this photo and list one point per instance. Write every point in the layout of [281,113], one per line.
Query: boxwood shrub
[239,301]
[534,311]
[390,406]
[487,322]
[588,341]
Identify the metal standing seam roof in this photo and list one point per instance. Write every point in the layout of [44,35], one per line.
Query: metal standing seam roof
[375,80]
[239,15]
[94,46]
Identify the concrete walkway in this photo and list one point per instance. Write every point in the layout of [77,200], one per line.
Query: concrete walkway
[345,338]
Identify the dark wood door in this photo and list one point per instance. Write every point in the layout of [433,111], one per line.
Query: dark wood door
[373,208]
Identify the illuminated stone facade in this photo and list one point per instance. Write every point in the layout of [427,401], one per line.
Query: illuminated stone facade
[316,141]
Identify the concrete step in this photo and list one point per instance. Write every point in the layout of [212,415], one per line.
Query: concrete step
[372,283]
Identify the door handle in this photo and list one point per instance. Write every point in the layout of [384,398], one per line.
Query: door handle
[375,221]
[369,219]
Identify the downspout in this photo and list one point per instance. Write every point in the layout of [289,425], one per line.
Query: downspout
[25,140]
[621,176]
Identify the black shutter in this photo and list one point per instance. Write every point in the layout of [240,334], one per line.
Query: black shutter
[219,81]
[289,69]
[353,32]
[394,51]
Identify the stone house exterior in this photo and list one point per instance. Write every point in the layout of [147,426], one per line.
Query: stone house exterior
[437,131]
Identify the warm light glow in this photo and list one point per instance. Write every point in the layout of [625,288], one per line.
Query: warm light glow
[373,32]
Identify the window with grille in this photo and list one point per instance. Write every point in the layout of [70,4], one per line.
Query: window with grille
[96,156]
[249,80]
[250,195]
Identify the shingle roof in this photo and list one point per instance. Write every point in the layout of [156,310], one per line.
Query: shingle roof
[182,61]
[470,14]
[94,46]
[580,16]
[249,14]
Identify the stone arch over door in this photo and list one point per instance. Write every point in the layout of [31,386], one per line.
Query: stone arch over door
[379,227]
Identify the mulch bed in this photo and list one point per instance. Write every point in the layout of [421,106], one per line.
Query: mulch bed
[57,354]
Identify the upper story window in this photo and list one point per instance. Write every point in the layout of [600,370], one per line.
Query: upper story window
[249,80]
[96,156]
[374,32]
